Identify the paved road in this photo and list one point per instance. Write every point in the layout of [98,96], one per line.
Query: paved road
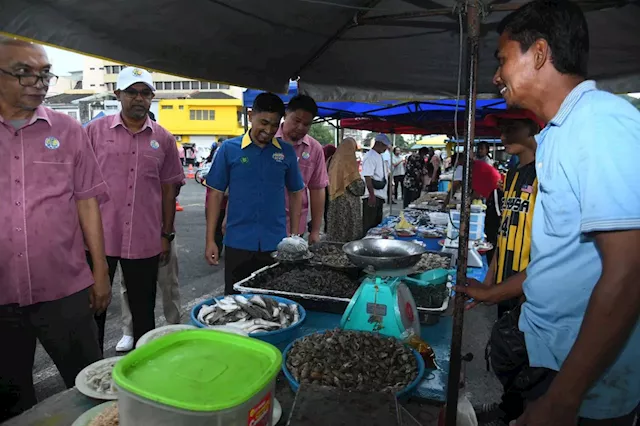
[199,281]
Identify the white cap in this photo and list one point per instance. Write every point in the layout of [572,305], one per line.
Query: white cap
[132,75]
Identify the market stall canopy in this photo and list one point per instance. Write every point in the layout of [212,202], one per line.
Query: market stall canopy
[356,50]
[429,127]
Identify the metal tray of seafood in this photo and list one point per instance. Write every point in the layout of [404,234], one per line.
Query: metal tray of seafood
[443,308]
[314,302]
[317,260]
[439,253]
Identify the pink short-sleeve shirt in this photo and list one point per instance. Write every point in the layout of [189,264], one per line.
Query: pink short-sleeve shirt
[135,167]
[45,167]
[314,174]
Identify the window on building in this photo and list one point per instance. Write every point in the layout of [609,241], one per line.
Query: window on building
[204,85]
[223,86]
[195,85]
[101,68]
[107,69]
[185,85]
[92,69]
[92,85]
[202,114]
[166,107]
[180,106]
[101,85]
[176,85]
[73,114]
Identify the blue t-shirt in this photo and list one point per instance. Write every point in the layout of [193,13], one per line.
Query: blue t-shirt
[257,179]
[587,168]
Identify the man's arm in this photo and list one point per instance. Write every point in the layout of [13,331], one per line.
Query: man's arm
[510,288]
[91,224]
[317,200]
[213,213]
[295,207]
[372,195]
[611,315]
[169,192]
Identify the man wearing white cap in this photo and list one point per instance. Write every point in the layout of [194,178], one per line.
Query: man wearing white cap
[140,162]
[374,171]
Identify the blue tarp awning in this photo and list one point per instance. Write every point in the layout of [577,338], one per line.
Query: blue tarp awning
[98,115]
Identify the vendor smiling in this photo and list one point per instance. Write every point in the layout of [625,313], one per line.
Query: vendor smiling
[256,168]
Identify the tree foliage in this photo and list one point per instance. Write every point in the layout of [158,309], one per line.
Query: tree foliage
[322,133]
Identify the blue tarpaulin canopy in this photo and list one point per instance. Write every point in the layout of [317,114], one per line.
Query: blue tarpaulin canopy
[414,111]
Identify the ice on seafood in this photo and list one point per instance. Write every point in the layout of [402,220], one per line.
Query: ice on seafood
[352,360]
[255,314]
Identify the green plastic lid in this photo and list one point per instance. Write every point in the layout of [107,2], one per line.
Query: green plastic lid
[199,370]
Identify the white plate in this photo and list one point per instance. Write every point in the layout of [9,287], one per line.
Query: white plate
[157,332]
[81,380]
[91,414]
[277,412]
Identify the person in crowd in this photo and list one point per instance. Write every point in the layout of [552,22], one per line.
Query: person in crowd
[299,116]
[483,153]
[579,323]
[375,173]
[386,157]
[328,150]
[346,187]
[50,188]
[484,179]
[140,162]
[436,163]
[398,171]
[416,176]
[257,168]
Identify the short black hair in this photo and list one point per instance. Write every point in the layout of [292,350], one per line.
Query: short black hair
[532,126]
[424,151]
[561,23]
[303,102]
[268,102]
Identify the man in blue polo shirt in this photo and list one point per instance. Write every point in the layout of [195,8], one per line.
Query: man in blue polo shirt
[257,168]
[580,318]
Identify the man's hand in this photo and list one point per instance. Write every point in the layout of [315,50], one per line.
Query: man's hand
[479,292]
[372,200]
[100,292]
[166,252]
[211,253]
[314,237]
[549,411]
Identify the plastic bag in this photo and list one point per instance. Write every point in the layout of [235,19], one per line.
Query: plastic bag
[293,248]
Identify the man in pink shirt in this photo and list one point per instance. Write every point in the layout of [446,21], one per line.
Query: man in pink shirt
[141,165]
[49,184]
[299,116]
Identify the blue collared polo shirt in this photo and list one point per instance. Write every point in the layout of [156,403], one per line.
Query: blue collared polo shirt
[256,178]
[587,170]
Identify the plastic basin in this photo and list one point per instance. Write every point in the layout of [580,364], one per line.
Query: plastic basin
[274,337]
[403,393]
[432,277]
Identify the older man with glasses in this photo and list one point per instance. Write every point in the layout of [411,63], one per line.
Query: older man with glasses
[49,188]
[141,165]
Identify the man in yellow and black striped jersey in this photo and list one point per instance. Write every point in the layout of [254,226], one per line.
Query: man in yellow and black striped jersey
[518,128]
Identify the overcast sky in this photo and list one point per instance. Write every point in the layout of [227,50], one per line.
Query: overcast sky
[64,61]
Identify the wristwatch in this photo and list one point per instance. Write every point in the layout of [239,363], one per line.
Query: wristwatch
[169,236]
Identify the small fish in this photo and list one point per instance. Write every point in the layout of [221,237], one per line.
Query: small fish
[257,300]
[204,311]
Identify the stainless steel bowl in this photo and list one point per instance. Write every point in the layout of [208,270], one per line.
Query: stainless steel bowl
[383,255]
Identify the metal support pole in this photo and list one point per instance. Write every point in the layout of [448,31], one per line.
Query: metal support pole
[391,190]
[246,119]
[473,35]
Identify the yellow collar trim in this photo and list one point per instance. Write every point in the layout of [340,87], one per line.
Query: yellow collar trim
[246,141]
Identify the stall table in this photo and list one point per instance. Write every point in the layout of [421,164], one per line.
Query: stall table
[64,408]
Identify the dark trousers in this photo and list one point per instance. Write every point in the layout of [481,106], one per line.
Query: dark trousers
[398,184]
[66,330]
[219,237]
[410,195]
[371,216]
[239,264]
[140,277]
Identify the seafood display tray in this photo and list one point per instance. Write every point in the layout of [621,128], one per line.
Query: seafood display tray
[314,302]
[452,261]
[316,259]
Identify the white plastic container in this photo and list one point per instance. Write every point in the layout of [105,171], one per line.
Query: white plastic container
[476,225]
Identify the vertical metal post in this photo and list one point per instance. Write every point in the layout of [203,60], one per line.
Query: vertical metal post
[390,177]
[246,119]
[473,35]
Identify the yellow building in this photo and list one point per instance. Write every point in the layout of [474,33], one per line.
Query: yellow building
[201,121]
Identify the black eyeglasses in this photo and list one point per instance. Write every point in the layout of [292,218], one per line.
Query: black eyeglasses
[29,80]
[133,93]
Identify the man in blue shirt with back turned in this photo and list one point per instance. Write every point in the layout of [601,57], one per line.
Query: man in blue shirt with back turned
[580,318]
[257,168]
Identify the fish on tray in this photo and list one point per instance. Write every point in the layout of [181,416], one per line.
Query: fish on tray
[254,314]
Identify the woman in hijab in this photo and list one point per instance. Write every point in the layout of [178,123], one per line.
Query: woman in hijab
[346,187]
